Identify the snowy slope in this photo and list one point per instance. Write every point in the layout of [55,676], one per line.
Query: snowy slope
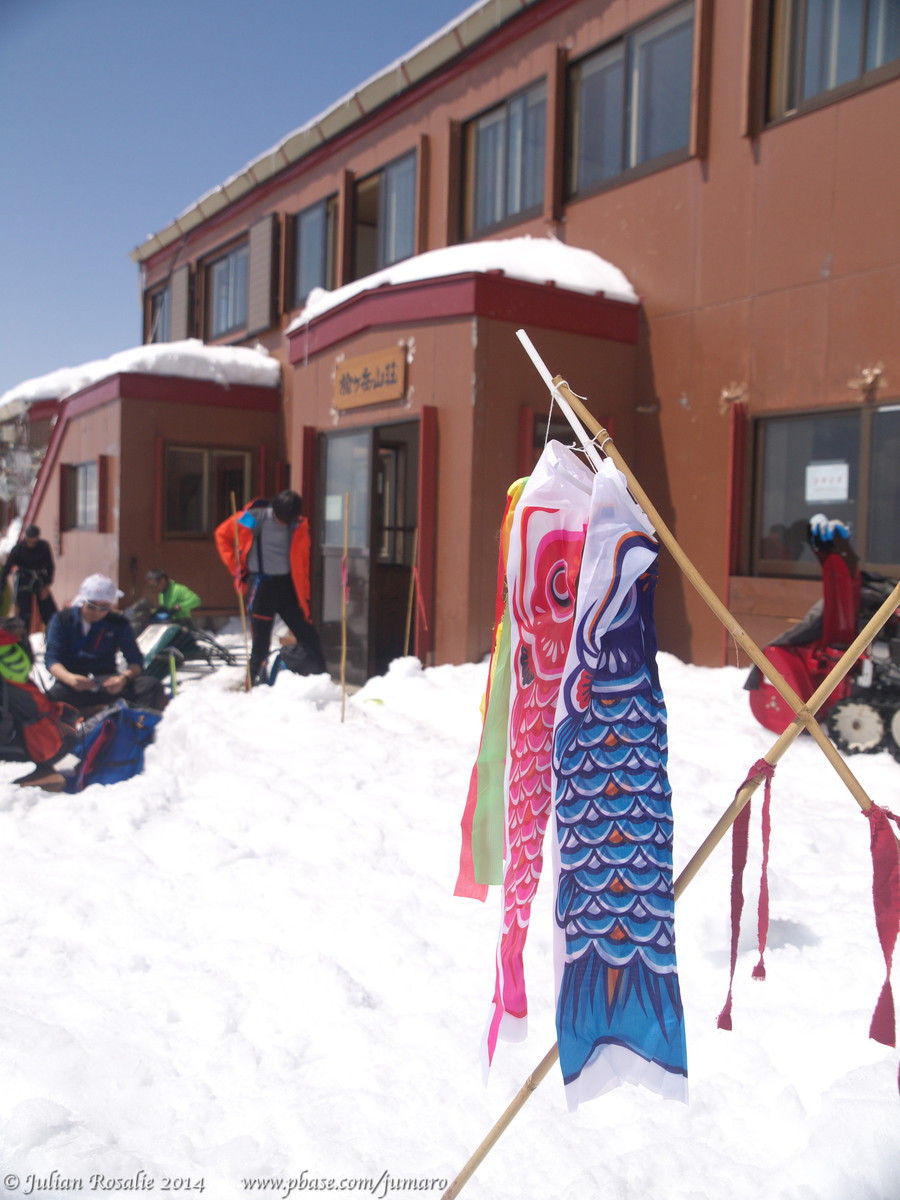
[248,963]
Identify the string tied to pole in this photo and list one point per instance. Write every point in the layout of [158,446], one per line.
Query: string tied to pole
[739,845]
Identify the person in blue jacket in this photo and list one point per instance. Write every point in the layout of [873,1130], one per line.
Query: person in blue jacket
[82,649]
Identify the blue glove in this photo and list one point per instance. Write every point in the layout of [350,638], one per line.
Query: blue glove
[160,618]
[823,529]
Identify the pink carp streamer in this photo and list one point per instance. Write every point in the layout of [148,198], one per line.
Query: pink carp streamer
[543,563]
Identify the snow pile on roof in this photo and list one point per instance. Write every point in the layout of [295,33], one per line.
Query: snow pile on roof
[536,260]
[190,359]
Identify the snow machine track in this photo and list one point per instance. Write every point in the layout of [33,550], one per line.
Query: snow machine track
[856,727]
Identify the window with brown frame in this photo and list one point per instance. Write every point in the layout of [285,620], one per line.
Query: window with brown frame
[227,291]
[315,249]
[83,494]
[504,157]
[841,463]
[630,101]
[199,484]
[818,46]
[384,216]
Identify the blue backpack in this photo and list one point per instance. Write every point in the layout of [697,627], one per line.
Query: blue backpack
[111,746]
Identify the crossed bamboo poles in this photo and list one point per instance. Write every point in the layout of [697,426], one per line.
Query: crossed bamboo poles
[805,717]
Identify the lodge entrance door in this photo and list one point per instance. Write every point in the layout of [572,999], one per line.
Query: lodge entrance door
[368,500]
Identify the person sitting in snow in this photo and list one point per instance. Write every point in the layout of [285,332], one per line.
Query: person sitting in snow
[174,601]
[81,653]
[266,549]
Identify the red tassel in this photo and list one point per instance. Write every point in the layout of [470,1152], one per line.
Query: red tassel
[886,898]
[739,840]
[766,769]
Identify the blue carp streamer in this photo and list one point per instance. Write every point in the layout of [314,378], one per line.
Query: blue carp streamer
[619,1011]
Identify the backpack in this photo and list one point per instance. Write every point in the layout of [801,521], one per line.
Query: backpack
[32,726]
[112,746]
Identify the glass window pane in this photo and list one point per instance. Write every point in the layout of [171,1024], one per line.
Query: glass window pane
[230,470]
[240,263]
[810,465]
[366,208]
[86,496]
[490,168]
[310,252]
[398,217]
[347,474]
[884,494]
[598,101]
[661,87]
[228,292]
[833,46]
[160,309]
[532,153]
[185,490]
[883,33]
[515,134]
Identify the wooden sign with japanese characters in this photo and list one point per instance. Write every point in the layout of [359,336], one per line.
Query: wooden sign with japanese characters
[375,378]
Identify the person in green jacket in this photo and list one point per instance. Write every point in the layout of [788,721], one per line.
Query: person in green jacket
[174,600]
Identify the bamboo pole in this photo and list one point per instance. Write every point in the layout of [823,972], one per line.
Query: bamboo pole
[248,682]
[412,592]
[804,718]
[345,562]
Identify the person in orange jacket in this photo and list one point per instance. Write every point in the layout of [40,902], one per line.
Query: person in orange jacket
[266,549]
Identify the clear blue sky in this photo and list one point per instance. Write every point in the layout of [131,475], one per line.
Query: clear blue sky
[115,115]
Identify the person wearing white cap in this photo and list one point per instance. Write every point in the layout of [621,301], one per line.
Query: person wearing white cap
[83,644]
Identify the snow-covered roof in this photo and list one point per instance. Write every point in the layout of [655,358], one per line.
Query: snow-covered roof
[534,259]
[190,359]
[470,27]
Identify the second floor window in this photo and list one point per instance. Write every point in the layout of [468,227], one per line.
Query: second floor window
[630,102]
[160,316]
[314,249]
[505,161]
[818,45]
[384,217]
[226,284]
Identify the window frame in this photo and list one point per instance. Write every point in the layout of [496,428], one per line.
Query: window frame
[81,509]
[624,50]
[783,54]
[211,515]
[862,472]
[236,260]
[327,250]
[159,315]
[500,115]
[386,250]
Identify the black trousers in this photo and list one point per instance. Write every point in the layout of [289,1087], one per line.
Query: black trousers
[26,598]
[143,692]
[274,595]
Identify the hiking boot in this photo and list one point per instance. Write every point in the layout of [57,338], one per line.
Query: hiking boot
[43,777]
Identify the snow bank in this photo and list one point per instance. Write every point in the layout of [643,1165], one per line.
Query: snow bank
[248,963]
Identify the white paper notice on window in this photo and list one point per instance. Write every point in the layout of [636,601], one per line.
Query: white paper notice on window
[827,482]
